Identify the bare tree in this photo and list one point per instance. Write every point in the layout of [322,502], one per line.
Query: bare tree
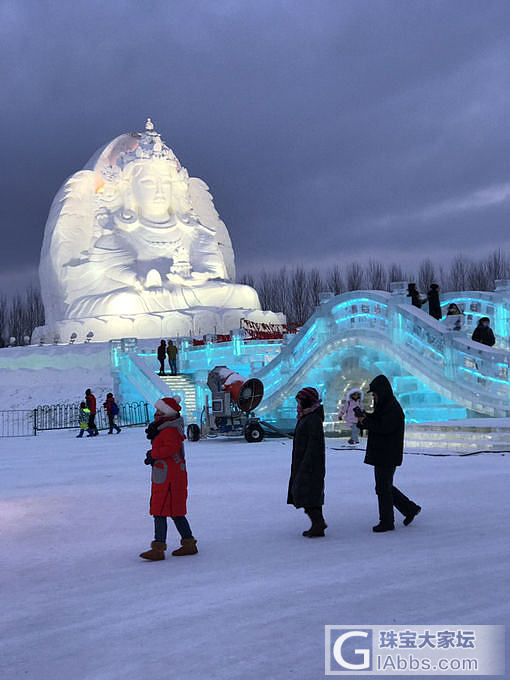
[396,273]
[315,286]
[444,278]
[426,275]
[3,319]
[299,299]
[498,267]
[459,273]
[16,320]
[478,276]
[248,280]
[281,294]
[376,276]
[265,289]
[355,276]
[33,310]
[334,281]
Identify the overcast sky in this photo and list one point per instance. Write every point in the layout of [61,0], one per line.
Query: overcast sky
[328,131]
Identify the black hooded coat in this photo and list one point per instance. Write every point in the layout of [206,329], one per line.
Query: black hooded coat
[308,469]
[385,444]
[434,303]
[484,334]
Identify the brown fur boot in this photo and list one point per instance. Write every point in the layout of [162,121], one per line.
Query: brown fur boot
[157,551]
[188,547]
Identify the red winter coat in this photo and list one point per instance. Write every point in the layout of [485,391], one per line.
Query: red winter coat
[91,403]
[169,477]
[108,405]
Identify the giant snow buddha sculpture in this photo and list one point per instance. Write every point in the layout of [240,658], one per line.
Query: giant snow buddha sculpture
[134,246]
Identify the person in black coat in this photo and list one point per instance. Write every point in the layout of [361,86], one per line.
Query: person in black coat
[162,357]
[385,448]
[434,302]
[306,483]
[416,299]
[483,332]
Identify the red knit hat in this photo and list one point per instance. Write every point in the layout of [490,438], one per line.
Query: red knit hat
[169,405]
[308,394]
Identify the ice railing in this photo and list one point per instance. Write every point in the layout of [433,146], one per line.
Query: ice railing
[448,361]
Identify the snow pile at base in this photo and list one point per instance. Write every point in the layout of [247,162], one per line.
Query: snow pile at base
[53,374]
[78,602]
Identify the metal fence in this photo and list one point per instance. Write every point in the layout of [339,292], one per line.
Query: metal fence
[67,416]
[17,423]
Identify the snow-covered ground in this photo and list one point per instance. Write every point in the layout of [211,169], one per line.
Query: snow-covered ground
[77,602]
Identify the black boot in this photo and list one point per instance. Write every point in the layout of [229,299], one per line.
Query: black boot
[318,523]
[386,516]
[409,518]
[379,528]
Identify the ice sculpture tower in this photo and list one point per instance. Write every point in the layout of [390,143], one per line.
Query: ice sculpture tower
[134,247]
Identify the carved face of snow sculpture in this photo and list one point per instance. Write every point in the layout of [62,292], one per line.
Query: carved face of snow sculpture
[132,235]
[152,190]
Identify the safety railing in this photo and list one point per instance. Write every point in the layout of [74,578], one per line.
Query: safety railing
[23,423]
[18,423]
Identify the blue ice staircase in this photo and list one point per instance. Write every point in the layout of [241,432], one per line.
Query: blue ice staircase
[184,386]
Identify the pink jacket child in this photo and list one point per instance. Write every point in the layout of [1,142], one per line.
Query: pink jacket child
[354,398]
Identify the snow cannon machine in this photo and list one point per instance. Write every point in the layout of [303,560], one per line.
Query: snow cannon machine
[230,408]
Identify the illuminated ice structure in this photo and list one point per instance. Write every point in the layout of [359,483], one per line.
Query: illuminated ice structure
[134,247]
[438,374]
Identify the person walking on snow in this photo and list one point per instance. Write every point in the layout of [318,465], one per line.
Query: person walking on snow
[91,405]
[308,469]
[354,399]
[161,357]
[172,352]
[112,410]
[84,420]
[385,448]
[169,479]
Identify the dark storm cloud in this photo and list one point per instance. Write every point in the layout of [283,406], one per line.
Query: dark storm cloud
[327,131]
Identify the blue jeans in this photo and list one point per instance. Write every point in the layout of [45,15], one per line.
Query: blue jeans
[355,433]
[160,527]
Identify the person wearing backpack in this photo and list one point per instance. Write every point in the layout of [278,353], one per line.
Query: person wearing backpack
[112,410]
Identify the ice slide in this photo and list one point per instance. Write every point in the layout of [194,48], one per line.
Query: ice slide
[437,373]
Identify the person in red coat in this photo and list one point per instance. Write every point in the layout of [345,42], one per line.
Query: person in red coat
[169,479]
[112,410]
[90,400]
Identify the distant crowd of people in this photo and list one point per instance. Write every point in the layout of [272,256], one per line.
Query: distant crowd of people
[483,333]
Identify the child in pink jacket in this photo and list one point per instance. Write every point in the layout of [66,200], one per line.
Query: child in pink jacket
[354,398]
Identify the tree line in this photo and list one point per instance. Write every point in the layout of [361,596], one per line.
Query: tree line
[295,291]
[20,315]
